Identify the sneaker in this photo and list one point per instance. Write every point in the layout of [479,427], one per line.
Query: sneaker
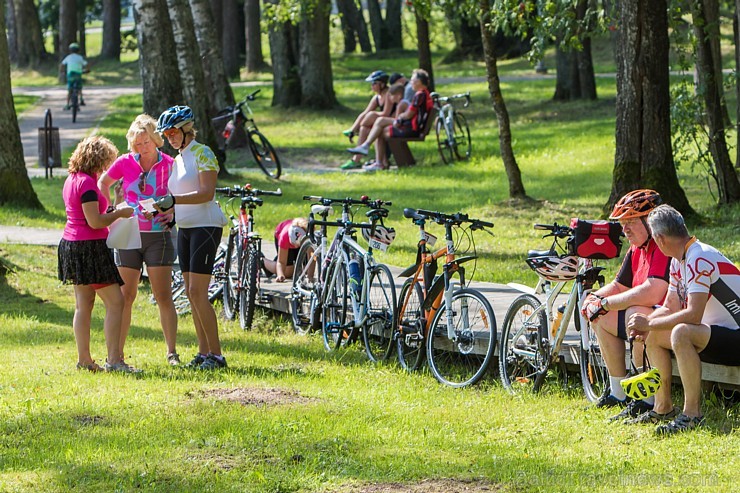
[651,417]
[374,167]
[213,362]
[609,400]
[350,164]
[680,423]
[173,359]
[92,367]
[121,367]
[633,410]
[198,360]
[348,133]
[359,150]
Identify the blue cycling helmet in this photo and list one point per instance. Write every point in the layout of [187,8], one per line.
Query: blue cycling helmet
[377,76]
[175,117]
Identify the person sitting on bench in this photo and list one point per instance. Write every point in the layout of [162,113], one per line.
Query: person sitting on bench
[409,124]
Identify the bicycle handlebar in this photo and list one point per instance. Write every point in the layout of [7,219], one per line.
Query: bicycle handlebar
[364,200]
[247,191]
[457,218]
[449,99]
[343,224]
[555,230]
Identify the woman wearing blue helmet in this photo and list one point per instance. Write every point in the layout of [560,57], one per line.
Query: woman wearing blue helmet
[378,106]
[192,187]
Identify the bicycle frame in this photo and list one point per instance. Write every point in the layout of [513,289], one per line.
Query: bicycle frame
[446,113]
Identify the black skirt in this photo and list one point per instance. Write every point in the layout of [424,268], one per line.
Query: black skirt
[87,262]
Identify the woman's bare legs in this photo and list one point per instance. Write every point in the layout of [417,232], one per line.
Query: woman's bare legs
[160,279]
[204,316]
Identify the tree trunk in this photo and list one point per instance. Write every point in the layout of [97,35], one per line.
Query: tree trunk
[111,47]
[230,37]
[286,83]
[563,76]
[643,157]
[193,79]
[377,26]
[393,26]
[712,22]
[15,187]
[67,26]
[253,32]
[217,85]
[425,50]
[11,27]
[317,89]
[28,34]
[583,60]
[727,181]
[81,38]
[516,187]
[736,30]
[160,75]
[348,32]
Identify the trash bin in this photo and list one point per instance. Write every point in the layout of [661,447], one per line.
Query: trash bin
[50,149]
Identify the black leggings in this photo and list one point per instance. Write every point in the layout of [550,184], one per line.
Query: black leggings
[196,248]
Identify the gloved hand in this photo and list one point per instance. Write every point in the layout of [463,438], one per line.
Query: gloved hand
[165,203]
[593,309]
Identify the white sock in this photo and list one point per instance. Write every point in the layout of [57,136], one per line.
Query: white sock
[616,389]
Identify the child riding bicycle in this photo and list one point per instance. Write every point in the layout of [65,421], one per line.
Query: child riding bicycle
[75,65]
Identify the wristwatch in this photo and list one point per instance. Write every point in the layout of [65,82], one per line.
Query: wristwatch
[605,304]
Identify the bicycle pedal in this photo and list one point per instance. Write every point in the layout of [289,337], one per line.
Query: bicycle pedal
[412,340]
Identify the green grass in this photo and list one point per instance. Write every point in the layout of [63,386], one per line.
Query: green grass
[351,423]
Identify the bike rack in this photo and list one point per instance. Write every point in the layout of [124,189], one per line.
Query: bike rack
[50,149]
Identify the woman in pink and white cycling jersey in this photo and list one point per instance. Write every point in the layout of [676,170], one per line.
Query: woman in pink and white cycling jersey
[145,172]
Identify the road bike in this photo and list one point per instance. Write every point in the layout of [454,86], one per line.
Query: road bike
[453,134]
[442,318]
[240,116]
[534,329]
[243,254]
[341,288]
[215,287]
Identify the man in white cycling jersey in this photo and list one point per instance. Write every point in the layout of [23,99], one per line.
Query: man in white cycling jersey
[699,321]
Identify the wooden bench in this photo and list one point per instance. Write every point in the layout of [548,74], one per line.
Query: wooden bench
[399,146]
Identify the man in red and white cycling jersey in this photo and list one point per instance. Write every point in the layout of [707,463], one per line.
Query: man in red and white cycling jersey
[699,321]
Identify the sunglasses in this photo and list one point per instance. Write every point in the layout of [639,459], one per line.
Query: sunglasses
[142,181]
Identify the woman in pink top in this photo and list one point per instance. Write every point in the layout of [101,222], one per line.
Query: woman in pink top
[83,256]
[145,172]
[288,237]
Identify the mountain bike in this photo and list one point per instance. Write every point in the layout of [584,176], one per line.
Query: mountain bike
[354,294]
[74,97]
[215,287]
[243,254]
[240,115]
[453,134]
[441,317]
[534,330]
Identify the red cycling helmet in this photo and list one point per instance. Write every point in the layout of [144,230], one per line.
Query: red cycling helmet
[637,203]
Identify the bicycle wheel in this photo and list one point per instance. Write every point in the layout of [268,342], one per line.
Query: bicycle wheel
[594,375]
[337,324]
[411,322]
[264,154]
[216,286]
[463,359]
[463,147]
[443,142]
[179,296]
[377,332]
[75,102]
[248,292]
[231,292]
[306,274]
[521,353]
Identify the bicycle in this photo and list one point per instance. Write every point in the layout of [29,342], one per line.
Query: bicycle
[243,254]
[354,294]
[240,115]
[453,134]
[441,317]
[215,287]
[533,331]
[74,96]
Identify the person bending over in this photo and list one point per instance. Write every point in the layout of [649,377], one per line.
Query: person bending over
[289,235]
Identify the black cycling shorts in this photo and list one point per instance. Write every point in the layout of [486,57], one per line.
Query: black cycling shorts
[722,348]
[196,248]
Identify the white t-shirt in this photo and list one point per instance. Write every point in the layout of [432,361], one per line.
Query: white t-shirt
[705,270]
[194,159]
[75,63]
